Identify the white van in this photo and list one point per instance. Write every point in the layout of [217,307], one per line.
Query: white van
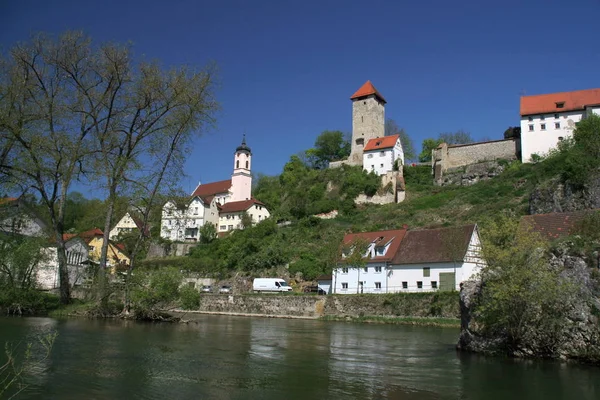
[270,285]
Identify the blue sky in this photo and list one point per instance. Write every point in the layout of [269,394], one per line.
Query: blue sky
[288,68]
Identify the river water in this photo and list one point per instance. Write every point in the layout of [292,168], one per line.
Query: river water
[225,357]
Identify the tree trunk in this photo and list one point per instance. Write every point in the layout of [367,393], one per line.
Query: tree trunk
[102,283]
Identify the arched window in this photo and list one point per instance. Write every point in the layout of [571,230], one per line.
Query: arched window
[237,164]
[246,164]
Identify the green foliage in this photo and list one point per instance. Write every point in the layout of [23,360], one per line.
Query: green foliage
[418,175]
[189,298]
[329,146]
[156,289]
[30,301]
[428,146]
[20,259]
[523,297]
[208,233]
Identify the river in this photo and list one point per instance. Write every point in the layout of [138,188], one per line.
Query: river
[225,357]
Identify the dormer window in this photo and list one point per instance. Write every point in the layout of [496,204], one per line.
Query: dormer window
[560,104]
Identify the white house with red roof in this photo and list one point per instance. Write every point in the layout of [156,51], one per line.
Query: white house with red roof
[549,118]
[380,154]
[219,203]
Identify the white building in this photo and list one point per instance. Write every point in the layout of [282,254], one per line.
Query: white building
[436,259]
[17,218]
[77,251]
[379,249]
[230,214]
[183,223]
[411,261]
[127,224]
[549,118]
[380,154]
[219,203]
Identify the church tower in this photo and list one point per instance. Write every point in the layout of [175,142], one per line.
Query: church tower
[241,179]
[368,120]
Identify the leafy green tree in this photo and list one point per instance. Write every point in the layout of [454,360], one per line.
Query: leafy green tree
[458,137]
[329,146]
[208,233]
[427,147]
[392,128]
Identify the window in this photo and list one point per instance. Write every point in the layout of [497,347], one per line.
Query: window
[195,210]
[370,156]
[555,116]
[557,125]
[381,165]
[344,270]
[560,104]
[230,227]
[377,269]
[543,126]
[542,118]
[530,118]
[362,119]
[377,285]
[372,167]
[419,285]
[259,217]
[246,164]
[560,138]
[223,227]
[404,285]
[381,153]
[237,164]
[366,269]
[344,285]
[434,284]
[426,272]
[379,251]
[531,128]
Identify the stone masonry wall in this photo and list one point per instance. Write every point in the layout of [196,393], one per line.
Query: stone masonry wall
[307,306]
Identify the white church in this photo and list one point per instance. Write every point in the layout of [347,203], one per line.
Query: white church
[221,203]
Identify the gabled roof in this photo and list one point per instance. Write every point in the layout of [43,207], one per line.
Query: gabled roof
[140,224]
[548,103]
[434,245]
[555,225]
[92,233]
[386,142]
[210,189]
[366,90]
[237,206]
[380,238]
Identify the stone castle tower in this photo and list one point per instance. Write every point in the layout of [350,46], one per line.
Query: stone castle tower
[241,179]
[368,120]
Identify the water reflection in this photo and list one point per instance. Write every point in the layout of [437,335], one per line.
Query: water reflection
[223,357]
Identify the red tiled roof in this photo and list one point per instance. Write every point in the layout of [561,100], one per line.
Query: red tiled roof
[138,222]
[386,142]
[92,233]
[6,200]
[68,236]
[555,225]
[210,189]
[380,238]
[547,103]
[366,90]
[237,206]
[434,245]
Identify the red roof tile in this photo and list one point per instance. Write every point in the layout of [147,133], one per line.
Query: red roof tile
[237,206]
[381,238]
[386,142]
[555,225]
[547,103]
[434,245]
[210,189]
[68,236]
[92,233]
[366,90]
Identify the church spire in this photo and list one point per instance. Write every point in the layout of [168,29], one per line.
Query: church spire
[243,146]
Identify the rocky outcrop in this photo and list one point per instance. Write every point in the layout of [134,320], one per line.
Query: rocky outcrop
[470,174]
[556,196]
[578,336]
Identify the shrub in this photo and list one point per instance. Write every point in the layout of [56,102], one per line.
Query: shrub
[189,298]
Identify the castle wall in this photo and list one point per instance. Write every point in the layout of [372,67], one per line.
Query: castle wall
[447,157]
[368,122]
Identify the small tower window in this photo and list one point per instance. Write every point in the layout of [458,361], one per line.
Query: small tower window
[237,164]
[246,164]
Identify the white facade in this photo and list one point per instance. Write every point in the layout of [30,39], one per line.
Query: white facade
[382,161]
[183,224]
[125,225]
[241,180]
[16,218]
[541,133]
[370,279]
[233,220]
[47,276]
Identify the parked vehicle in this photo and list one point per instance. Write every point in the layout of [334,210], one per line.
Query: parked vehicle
[225,289]
[270,285]
[207,289]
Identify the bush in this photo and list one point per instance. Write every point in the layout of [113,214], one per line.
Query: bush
[157,289]
[189,298]
[27,301]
